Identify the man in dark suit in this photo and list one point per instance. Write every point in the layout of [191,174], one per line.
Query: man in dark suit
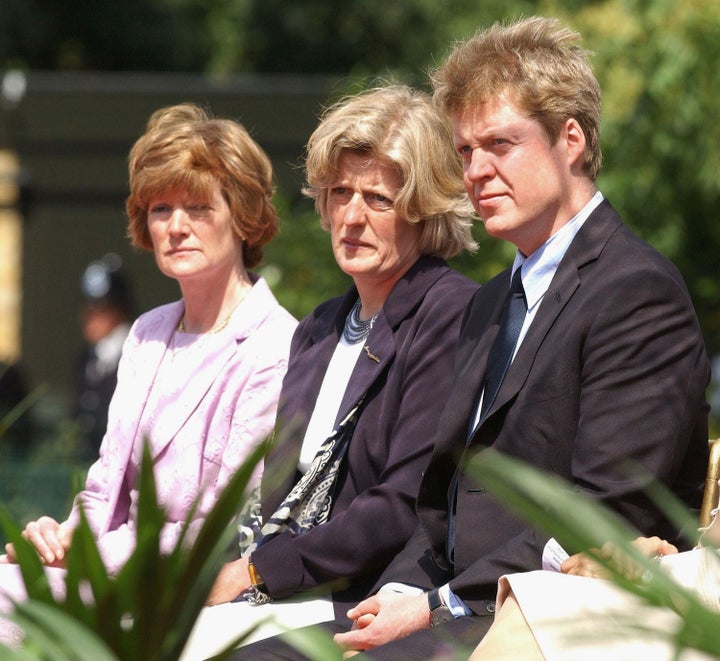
[609,365]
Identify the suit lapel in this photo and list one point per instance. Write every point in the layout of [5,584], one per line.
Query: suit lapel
[300,390]
[200,371]
[379,349]
[308,365]
[305,377]
[146,359]
[585,248]
[561,290]
[204,363]
[479,332]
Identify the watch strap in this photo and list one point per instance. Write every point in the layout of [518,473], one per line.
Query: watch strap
[439,612]
[434,600]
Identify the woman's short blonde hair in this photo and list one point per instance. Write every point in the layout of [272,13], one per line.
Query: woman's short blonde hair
[400,127]
[184,147]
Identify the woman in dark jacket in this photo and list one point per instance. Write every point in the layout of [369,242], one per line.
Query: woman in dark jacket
[388,186]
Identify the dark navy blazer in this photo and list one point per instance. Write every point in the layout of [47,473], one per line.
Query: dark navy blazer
[406,368]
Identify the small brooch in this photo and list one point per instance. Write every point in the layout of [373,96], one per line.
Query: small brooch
[370,355]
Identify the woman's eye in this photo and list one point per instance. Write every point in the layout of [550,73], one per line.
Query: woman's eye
[198,211]
[379,201]
[382,199]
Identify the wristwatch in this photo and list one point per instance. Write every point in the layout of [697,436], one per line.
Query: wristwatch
[255,577]
[257,593]
[439,612]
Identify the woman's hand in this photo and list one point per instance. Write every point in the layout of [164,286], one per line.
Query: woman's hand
[50,539]
[232,580]
[582,564]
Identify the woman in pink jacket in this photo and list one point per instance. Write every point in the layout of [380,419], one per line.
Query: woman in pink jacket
[199,379]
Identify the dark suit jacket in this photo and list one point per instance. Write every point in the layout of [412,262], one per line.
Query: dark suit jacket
[613,367]
[373,514]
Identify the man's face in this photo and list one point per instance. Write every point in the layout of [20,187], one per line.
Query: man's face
[520,184]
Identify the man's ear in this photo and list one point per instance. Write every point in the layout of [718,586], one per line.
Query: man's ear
[574,138]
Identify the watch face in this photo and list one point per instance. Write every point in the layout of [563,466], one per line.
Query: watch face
[441,614]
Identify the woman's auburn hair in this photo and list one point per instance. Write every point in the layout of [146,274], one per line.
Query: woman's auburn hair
[185,148]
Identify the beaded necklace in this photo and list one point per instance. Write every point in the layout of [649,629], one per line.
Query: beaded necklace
[356,330]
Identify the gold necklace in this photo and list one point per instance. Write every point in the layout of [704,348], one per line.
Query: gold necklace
[222,323]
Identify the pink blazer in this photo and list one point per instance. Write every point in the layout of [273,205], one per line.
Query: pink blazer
[200,428]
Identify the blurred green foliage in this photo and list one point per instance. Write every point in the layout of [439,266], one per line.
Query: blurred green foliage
[299,263]
[658,62]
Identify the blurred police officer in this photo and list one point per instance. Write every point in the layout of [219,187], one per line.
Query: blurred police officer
[106,315]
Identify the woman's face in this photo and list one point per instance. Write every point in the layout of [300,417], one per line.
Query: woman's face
[371,243]
[193,238]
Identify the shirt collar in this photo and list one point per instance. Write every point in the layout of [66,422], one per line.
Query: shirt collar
[539,269]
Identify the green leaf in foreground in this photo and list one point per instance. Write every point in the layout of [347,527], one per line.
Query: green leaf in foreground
[149,609]
[577,521]
[58,636]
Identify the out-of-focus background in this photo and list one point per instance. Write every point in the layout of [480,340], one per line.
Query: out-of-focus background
[78,81]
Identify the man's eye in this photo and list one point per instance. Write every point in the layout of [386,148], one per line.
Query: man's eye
[500,143]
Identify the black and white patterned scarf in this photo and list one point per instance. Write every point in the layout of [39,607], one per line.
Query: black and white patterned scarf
[309,502]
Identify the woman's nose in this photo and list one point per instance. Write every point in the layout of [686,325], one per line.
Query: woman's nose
[178,221]
[354,210]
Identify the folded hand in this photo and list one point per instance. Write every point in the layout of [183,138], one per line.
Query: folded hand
[384,617]
[50,539]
